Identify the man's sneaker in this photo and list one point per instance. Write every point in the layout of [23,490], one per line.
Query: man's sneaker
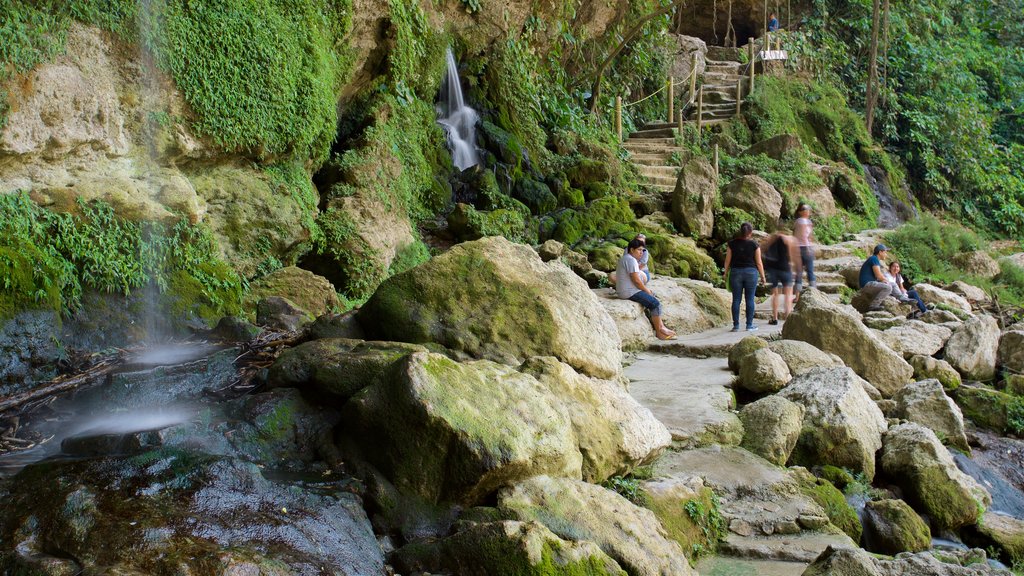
[773,322]
[735,329]
[751,328]
[930,306]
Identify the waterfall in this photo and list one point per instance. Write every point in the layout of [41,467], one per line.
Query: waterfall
[458,120]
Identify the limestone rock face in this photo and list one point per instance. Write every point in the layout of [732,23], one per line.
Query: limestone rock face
[842,426]
[1006,531]
[916,338]
[820,199]
[802,357]
[977,263]
[687,306]
[505,547]
[914,459]
[973,294]
[935,295]
[763,371]
[693,199]
[756,196]
[281,314]
[1011,351]
[580,511]
[927,367]
[827,326]
[973,348]
[310,292]
[615,433]
[852,561]
[892,526]
[926,403]
[775,147]
[774,425]
[457,432]
[494,299]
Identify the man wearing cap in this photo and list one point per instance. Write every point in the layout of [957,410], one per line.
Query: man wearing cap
[872,280]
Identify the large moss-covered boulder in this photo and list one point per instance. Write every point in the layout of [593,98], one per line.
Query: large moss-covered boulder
[915,460]
[457,432]
[680,257]
[775,147]
[688,306]
[1006,531]
[615,433]
[926,403]
[986,407]
[494,299]
[892,526]
[693,200]
[688,510]
[802,357]
[926,367]
[755,196]
[740,350]
[773,426]
[313,294]
[505,547]
[173,511]
[1011,351]
[836,561]
[973,348]
[828,326]
[763,371]
[842,426]
[580,511]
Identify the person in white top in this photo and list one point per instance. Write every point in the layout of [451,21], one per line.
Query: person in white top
[631,284]
[803,231]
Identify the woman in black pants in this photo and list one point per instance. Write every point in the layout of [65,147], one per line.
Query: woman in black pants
[743,259]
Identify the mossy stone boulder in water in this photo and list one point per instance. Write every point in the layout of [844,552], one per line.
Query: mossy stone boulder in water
[581,511]
[892,526]
[773,427]
[506,548]
[689,512]
[986,407]
[174,511]
[497,300]
[915,460]
[457,432]
[313,294]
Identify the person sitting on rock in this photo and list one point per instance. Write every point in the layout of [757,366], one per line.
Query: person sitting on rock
[781,256]
[631,284]
[773,23]
[896,280]
[644,260]
[872,281]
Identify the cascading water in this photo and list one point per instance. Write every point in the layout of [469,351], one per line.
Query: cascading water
[459,121]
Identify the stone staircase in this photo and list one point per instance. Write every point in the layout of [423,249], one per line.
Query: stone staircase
[720,79]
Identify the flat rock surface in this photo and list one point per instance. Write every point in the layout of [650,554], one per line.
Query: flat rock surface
[723,566]
[713,342]
[728,470]
[691,397]
[802,547]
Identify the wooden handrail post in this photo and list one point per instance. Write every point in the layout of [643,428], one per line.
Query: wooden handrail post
[750,51]
[618,116]
[680,122]
[739,93]
[716,159]
[671,99]
[693,79]
[700,110]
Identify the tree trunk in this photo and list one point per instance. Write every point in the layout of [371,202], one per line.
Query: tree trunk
[872,88]
[595,91]
[885,48]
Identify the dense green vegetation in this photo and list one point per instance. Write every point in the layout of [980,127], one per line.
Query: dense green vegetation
[48,259]
[952,96]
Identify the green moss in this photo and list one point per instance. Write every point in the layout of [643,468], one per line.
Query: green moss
[696,524]
[680,258]
[602,218]
[348,261]
[467,223]
[944,499]
[840,513]
[29,278]
[839,477]
[535,195]
[727,223]
[986,407]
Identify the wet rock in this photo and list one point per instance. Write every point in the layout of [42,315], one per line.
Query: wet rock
[914,459]
[841,425]
[763,371]
[1010,353]
[774,424]
[279,428]
[693,200]
[171,384]
[235,329]
[973,348]
[532,308]
[892,526]
[827,326]
[506,547]
[802,357]
[916,338]
[935,295]
[281,314]
[748,345]
[1006,531]
[176,511]
[457,432]
[28,349]
[335,326]
[926,403]
[926,367]
[857,562]
[985,407]
[334,369]
[696,530]
[580,511]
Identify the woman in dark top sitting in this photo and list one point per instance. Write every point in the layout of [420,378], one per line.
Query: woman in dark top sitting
[743,258]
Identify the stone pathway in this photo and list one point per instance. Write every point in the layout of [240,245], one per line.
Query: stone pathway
[714,342]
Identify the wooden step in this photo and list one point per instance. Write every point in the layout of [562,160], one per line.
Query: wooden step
[656,133]
[660,125]
[667,181]
[658,171]
[648,142]
[649,159]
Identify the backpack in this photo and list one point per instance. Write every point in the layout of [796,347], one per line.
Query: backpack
[773,254]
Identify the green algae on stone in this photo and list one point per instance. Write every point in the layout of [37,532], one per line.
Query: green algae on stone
[839,512]
[986,407]
[892,527]
[689,514]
